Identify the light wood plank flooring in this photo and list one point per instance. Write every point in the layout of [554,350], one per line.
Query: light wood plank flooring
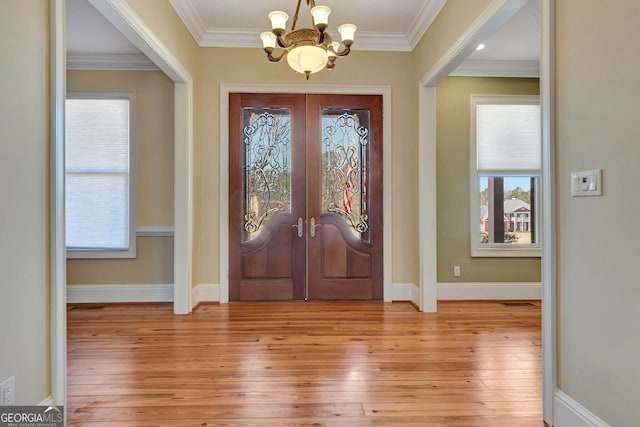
[313,364]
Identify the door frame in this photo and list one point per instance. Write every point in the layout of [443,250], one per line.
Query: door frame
[385,91]
[124,18]
[494,15]
[120,14]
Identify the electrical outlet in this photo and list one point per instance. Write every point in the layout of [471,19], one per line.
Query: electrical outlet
[456,271]
[8,392]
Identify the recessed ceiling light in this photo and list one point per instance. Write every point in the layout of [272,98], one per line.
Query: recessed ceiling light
[480,46]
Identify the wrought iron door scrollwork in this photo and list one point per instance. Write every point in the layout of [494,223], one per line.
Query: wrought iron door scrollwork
[267,174]
[345,149]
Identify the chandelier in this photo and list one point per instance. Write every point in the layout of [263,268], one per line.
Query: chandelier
[308,50]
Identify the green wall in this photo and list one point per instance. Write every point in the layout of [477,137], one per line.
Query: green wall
[453,127]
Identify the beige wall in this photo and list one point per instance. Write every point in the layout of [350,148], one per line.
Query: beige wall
[598,126]
[250,66]
[154,178]
[152,265]
[169,29]
[452,21]
[453,134]
[401,71]
[24,215]
[165,24]
[214,66]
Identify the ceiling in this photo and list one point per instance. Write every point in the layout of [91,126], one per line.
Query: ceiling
[93,43]
[381,24]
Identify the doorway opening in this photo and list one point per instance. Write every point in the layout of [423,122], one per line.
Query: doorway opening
[305,197]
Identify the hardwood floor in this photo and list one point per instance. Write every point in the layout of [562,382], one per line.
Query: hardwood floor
[311,364]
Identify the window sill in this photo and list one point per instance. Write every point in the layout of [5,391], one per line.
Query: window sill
[102,254]
[506,252]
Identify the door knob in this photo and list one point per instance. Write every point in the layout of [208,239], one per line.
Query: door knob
[313,227]
[299,226]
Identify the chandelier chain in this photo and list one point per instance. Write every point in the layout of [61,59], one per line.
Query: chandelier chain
[310,4]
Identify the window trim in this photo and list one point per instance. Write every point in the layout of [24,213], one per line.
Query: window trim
[88,253]
[499,249]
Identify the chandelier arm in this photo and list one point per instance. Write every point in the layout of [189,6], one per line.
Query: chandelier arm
[321,36]
[275,58]
[343,52]
[281,42]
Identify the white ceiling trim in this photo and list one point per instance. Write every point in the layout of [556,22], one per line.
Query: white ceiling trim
[120,61]
[246,38]
[423,21]
[187,12]
[249,38]
[390,42]
[229,37]
[497,68]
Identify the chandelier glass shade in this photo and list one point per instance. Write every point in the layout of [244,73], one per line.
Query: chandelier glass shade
[308,50]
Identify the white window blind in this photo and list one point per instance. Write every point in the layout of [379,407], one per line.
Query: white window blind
[505,163]
[508,137]
[98,175]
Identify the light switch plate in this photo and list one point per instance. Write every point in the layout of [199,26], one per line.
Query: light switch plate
[586,183]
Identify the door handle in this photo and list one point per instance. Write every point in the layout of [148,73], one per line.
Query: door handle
[313,227]
[299,226]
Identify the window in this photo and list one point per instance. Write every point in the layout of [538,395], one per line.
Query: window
[505,175]
[100,175]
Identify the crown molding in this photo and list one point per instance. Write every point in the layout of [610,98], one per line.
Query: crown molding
[249,38]
[388,42]
[187,13]
[497,68]
[423,21]
[225,37]
[229,37]
[120,61]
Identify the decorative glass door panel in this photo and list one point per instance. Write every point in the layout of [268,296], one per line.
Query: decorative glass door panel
[305,197]
[345,149]
[266,197]
[267,167]
[344,197]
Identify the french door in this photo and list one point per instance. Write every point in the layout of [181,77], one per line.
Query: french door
[305,197]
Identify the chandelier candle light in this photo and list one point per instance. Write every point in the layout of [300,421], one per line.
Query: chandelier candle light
[308,50]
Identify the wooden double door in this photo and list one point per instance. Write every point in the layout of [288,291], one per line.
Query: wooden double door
[305,197]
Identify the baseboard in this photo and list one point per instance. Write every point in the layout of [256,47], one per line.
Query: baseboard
[406,292]
[205,292]
[489,291]
[569,413]
[210,292]
[415,295]
[119,293]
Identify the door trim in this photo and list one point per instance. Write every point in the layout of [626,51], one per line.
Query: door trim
[226,89]
[57,245]
[124,18]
